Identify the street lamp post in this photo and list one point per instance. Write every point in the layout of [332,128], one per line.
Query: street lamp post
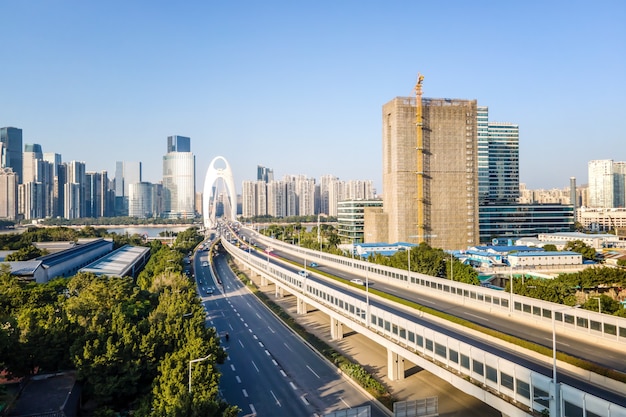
[555,406]
[194,361]
[599,304]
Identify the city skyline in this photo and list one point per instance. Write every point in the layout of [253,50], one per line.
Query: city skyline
[300,88]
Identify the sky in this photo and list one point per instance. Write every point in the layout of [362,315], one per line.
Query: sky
[298,86]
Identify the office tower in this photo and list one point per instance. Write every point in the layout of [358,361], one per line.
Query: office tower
[498,160]
[179,179]
[140,200]
[97,194]
[572,194]
[11,152]
[55,200]
[448,196]
[31,200]
[178,144]
[8,194]
[126,173]
[32,155]
[74,190]
[606,183]
[264,174]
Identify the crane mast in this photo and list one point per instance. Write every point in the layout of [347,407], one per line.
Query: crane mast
[419,133]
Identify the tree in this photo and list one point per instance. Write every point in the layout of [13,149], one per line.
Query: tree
[581,247]
[549,247]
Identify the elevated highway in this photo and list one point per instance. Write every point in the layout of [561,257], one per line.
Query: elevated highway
[514,381]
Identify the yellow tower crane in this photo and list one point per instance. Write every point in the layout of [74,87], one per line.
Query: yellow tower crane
[421,229]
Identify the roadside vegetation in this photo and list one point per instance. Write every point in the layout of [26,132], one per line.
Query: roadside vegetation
[129,340]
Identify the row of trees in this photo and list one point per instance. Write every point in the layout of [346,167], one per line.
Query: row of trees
[130,341]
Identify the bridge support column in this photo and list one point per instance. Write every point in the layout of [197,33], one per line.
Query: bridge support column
[263,281]
[279,292]
[336,329]
[301,306]
[395,366]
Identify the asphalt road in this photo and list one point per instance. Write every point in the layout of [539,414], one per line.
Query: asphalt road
[270,371]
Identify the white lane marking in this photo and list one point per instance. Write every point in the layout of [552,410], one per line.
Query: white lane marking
[313,372]
[255,338]
[261,344]
[343,401]
[293,386]
[232,367]
[240,343]
[238,379]
[267,352]
[250,330]
[255,367]
[283,373]
[304,400]
[277,402]
[245,393]
[274,362]
[257,314]
[231,326]
[245,324]
[287,346]
[478,317]
[271,330]
[253,410]
[241,318]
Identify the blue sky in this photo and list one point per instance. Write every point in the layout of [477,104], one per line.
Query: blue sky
[298,86]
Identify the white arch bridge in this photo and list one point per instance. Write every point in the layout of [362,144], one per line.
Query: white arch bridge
[210,192]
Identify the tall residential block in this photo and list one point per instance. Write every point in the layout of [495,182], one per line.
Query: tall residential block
[11,151]
[264,174]
[449,192]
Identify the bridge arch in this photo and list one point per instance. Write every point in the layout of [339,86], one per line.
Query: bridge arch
[209,197]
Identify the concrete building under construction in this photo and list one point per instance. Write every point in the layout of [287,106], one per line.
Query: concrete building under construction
[430,173]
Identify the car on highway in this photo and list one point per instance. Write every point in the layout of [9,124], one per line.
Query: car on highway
[205,263]
[210,290]
[313,265]
[303,273]
[357,281]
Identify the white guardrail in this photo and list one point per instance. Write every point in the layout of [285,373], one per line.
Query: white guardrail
[513,389]
[601,328]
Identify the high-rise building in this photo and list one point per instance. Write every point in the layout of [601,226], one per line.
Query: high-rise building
[498,161]
[178,144]
[11,151]
[74,189]
[264,174]
[126,173]
[449,194]
[8,194]
[140,200]
[55,202]
[179,179]
[606,183]
[98,195]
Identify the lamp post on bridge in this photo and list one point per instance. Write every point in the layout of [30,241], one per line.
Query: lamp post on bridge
[194,361]
[555,405]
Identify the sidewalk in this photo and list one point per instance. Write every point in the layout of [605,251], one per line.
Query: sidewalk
[418,383]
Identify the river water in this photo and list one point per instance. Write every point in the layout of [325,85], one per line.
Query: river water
[147,231]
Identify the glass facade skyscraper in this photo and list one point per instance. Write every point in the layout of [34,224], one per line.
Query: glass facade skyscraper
[179,179]
[178,144]
[498,160]
[11,152]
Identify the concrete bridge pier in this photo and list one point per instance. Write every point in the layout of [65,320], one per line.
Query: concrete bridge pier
[395,366]
[336,329]
[263,281]
[301,306]
[279,293]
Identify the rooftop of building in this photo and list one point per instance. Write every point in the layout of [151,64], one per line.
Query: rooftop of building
[44,395]
[117,262]
[543,253]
